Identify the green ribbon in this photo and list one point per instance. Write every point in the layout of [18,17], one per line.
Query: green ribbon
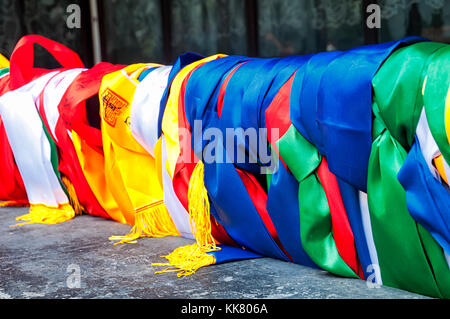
[408,256]
[436,90]
[303,159]
[3,71]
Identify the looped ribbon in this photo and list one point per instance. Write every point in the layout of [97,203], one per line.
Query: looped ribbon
[46,190]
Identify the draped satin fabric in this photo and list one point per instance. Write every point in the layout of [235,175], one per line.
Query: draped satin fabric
[437,99]
[69,164]
[337,160]
[80,114]
[145,106]
[246,92]
[11,183]
[397,106]
[131,187]
[180,159]
[144,115]
[24,126]
[198,94]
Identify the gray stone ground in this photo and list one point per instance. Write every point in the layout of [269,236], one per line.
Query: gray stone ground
[36,261]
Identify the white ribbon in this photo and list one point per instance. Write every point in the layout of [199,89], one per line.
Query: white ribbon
[29,143]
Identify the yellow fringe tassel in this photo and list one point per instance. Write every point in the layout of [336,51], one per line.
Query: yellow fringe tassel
[188,259]
[150,221]
[42,214]
[73,198]
[15,203]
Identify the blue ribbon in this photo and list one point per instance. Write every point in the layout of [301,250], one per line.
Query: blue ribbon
[333,107]
[428,201]
[182,61]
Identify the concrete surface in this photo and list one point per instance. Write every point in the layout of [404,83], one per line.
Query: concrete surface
[42,261]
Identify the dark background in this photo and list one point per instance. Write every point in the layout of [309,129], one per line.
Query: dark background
[159,30]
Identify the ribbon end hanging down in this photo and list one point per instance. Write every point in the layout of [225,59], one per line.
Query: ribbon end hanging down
[187,259]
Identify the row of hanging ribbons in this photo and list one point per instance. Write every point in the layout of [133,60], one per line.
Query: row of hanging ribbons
[336,160]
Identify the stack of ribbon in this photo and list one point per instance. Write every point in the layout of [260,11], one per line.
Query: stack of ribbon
[337,160]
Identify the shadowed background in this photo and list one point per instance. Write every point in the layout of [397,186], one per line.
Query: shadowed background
[160,30]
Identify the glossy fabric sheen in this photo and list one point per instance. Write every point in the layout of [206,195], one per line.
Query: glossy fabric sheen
[428,200]
[24,126]
[87,139]
[303,159]
[180,159]
[73,105]
[337,160]
[333,111]
[182,61]
[203,96]
[145,106]
[275,116]
[230,253]
[436,99]
[11,183]
[124,156]
[144,127]
[69,164]
[397,236]
[244,82]
[282,196]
